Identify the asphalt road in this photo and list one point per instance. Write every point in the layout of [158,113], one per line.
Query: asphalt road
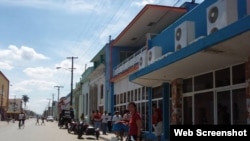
[32,132]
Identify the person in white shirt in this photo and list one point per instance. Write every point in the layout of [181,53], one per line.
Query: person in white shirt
[116,118]
[21,119]
[105,118]
[126,116]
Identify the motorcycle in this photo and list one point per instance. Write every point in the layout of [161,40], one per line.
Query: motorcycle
[90,130]
[73,127]
[97,133]
[64,122]
[81,129]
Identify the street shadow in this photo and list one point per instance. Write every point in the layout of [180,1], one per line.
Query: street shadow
[80,138]
[91,138]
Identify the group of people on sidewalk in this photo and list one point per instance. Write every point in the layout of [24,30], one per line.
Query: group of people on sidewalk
[130,118]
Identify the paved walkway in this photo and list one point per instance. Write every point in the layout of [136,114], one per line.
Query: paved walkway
[49,132]
[107,137]
[3,123]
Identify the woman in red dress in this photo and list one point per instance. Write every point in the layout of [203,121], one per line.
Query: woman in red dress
[135,123]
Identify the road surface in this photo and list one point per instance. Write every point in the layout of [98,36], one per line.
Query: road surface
[32,132]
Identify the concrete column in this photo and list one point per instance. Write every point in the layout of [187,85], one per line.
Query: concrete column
[166,111]
[149,93]
[112,100]
[247,68]
[176,116]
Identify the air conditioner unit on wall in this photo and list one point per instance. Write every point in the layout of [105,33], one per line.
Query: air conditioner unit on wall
[142,59]
[221,14]
[184,34]
[153,54]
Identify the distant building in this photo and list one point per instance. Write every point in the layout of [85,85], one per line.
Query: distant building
[64,103]
[97,94]
[85,90]
[81,95]
[14,108]
[15,105]
[4,95]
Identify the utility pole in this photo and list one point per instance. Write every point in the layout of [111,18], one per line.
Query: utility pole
[72,70]
[58,91]
[49,107]
[14,103]
[52,112]
[58,94]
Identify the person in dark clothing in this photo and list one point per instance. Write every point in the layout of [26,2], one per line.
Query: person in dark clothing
[43,123]
[37,120]
[109,122]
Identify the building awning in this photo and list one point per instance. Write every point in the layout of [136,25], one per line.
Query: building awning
[225,47]
[151,19]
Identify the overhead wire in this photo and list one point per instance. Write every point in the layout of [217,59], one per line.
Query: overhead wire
[93,20]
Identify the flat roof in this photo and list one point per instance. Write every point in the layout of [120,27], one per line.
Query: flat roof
[151,19]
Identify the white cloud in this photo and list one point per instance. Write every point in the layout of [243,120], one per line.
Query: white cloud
[38,105]
[34,84]
[113,28]
[75,48]
[23,53]
[6,65]
[39,72]
[18,90]
[73,6]
[80,5]
[66,65]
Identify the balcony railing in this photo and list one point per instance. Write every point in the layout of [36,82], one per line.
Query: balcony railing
[128,63]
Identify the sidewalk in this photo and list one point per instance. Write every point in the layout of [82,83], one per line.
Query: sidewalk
[107,137]
[3,123]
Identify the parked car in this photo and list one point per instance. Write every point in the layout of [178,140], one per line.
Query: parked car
[50,118]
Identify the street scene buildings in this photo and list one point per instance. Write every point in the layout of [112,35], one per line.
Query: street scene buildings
[192,64]
[192,61]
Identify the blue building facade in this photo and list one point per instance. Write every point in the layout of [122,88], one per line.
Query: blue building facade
[196,53]
[208,75]
[192,61]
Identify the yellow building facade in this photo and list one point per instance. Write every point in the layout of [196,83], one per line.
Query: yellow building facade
[4,95]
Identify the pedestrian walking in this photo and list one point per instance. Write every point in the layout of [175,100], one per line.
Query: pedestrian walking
[105,118]
[135,123]
[43,123]
[37,120]
[109,122]
[157,121]
[8,119]
[97,120]
[21,118]
[92,118]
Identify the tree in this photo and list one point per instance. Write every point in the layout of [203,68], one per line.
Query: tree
[25,99]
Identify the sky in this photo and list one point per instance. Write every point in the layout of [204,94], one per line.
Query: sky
[36,36]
